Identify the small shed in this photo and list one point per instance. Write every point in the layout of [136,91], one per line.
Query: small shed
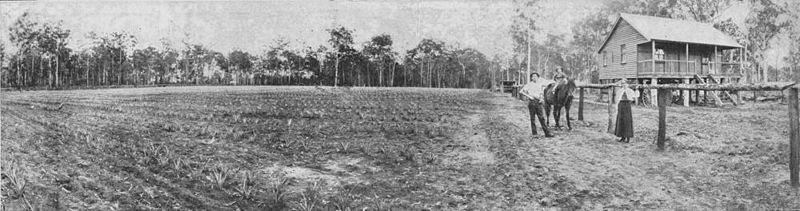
[508,86]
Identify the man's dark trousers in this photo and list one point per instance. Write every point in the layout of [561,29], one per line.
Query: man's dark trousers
[535,109]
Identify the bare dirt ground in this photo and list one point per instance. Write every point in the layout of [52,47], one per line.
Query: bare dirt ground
[717,158]
[321,148]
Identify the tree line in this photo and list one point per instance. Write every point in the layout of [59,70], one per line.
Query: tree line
[43,59]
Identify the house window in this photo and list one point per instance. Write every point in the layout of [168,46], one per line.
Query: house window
[612,56]
[605,58]
[622,53]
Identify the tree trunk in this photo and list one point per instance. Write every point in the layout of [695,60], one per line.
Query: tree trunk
[41,70]
[392,82]
[494,78]
[19,76]
[430,73]
[442,83]
[422,68]
[135,71]
[57,72]
[391,77]
[336,73]
[463,77]
[18,73]
[50,77]
[119,67]
[436,68]
[405,77]
[546,61]
[86,68]
[463,72]
[528,73]
[106,74]
[764,72]
[539,62]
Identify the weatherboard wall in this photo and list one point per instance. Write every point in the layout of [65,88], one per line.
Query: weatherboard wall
[613,67]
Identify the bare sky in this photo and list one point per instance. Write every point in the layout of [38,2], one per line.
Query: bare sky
[251,25]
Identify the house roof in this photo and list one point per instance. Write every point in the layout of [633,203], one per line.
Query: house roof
[667,29]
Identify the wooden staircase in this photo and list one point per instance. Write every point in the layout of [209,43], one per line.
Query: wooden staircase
[727,94]
[715,98]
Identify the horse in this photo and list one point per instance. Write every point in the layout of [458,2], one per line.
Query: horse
[561,97]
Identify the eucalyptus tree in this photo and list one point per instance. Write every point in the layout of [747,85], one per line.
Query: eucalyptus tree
[341,41]
[379,50]
[146,62]
[240,63]
[762,25]
[24,34]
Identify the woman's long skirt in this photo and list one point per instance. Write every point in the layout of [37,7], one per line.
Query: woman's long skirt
[624,120]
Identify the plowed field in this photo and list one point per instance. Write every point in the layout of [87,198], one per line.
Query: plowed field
[322,148]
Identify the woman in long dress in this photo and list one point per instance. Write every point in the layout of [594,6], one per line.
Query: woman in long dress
[624,128]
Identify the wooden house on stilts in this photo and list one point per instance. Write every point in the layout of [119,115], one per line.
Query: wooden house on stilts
[654,50]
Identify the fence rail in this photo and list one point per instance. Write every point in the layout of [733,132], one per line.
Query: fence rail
[663,99]
[775,86]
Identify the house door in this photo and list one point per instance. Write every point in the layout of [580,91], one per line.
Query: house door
[704,69]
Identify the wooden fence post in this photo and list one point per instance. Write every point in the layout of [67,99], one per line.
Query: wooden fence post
[697,96]
[580,105]
[794,141]
[685,93]
[612,109]
[739,98]
[663,101]
[654,92]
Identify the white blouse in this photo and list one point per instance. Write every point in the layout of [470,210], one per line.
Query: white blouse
[629,93]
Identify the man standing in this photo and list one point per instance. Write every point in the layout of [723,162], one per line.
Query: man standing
[534,90]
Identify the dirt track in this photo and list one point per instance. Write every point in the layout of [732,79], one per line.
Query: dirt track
[716,158]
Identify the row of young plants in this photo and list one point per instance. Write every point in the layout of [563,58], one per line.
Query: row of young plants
[171,146]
